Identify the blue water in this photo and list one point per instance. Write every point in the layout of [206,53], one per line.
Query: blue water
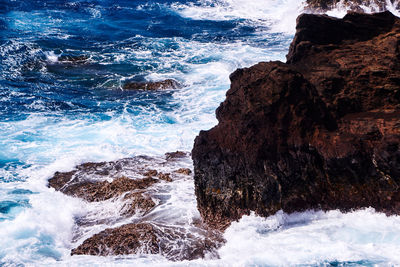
[55,114]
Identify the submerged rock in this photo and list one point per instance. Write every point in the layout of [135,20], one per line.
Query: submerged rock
[147,238]
[176,155]
[184,171]
[132,189]
[126,239]
[320,132]
[73,59]
[161,85]
[101,190]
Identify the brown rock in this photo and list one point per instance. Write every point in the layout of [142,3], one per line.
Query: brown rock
[90,180]
[137,202]
[320,132]
[127,239]
[151,173]
[108,180]
[184,171]
[161,85]
[354,70]
[176,155]
[100,191]
[165,176]
[146,238]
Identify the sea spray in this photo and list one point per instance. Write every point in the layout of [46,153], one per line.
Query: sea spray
[55,115]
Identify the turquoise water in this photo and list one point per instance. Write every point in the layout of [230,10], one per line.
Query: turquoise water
[56,114]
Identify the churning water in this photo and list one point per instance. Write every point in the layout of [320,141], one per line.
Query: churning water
[55,114]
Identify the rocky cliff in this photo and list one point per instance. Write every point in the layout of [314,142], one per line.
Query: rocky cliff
[321,131]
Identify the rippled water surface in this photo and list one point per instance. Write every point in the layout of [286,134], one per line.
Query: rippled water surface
[56,113]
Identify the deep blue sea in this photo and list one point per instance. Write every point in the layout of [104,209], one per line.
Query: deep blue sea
[55,114]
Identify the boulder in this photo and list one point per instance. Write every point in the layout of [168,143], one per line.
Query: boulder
[321,131]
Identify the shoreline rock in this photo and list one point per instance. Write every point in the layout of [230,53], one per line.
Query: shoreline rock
[151,86]
[148,238]
[321,131]
[133,188]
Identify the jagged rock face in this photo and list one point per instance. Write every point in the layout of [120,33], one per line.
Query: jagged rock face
[353,62]
[320,132]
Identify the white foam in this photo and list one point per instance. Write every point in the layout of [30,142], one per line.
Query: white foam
[313,238]
[360,238]
[392,7]
[42,234]
[279,16]
[51,56]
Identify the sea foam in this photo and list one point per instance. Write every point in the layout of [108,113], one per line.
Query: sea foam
[43,133]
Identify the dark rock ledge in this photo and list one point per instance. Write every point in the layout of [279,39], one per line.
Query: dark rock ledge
[136,183]
[319,132]
[151,86]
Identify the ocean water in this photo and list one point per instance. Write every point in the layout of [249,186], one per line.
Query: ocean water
[56,114]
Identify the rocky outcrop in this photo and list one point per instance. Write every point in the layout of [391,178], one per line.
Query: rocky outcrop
[319,132]
[135,190]
[353,5]
[126,239]
[161,85]
[147,238]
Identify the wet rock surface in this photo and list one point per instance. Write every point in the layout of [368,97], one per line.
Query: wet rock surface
[353,5]
[73,59]
[126,199]
[176,155]
[99,191]
[319,132]
[160,85]
[147,238]
[185,171]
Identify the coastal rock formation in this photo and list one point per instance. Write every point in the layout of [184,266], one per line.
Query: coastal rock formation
[161,85]
[95,182]
[353,5]
[321,131]
[147,238]
[132,189]
[127,239]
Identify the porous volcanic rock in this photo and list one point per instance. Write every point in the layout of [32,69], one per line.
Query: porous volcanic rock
[127,239]
[132,189]
[160,85]
[184,171]
[147,238]
[102,190]
[319,132]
